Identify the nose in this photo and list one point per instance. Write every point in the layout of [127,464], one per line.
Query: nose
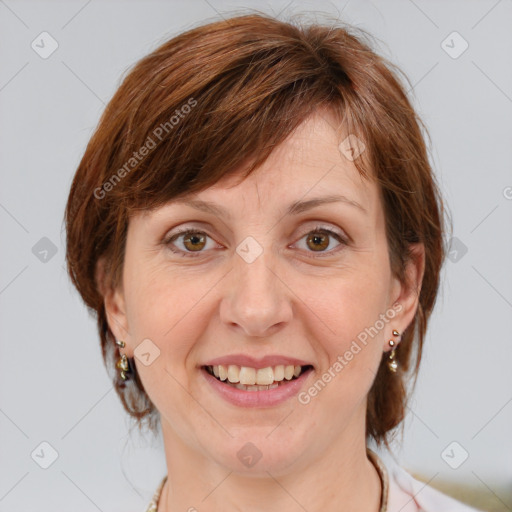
[256,301]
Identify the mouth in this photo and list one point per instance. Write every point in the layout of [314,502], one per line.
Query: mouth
[251,379]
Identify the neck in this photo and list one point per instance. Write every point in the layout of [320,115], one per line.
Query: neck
[341,479]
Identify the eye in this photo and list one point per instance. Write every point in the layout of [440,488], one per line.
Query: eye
[318,240]
[195,241]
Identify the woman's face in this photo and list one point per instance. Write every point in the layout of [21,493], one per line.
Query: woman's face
[262,281]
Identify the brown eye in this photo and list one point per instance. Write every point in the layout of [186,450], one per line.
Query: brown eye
[194,241]
[318,241]
[190,242]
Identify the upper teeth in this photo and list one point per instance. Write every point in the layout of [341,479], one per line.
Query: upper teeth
[251,376]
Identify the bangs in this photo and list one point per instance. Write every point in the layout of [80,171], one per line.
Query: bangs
[198,123]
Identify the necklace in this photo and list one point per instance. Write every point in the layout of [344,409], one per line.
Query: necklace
[372,456]
[383,475]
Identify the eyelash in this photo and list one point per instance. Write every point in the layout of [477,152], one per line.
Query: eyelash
[188,231]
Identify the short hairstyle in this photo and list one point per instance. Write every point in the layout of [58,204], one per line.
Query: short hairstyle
[226,93]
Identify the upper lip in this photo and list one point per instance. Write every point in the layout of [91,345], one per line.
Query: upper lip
[251,362]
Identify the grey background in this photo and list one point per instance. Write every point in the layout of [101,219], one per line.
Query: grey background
[53,386]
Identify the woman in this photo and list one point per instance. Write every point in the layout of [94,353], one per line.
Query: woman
[256,225]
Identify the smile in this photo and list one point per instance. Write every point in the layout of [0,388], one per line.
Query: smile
[252,379]
[251,387]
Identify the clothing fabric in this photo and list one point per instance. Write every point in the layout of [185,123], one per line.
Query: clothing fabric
[406,494]
[401,492]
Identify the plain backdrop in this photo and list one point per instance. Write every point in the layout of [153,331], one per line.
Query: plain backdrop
[53,386]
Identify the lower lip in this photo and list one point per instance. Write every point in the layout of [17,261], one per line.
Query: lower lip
[266,398]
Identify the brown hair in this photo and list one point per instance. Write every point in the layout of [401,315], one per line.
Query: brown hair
[226,93]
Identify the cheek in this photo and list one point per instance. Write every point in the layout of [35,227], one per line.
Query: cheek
[161,313]
[355,312]
[357,302]
[353,356]
[150,311]
[158,299]
[165,309]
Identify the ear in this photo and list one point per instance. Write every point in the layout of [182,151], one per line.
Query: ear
[115,306]
[407,294]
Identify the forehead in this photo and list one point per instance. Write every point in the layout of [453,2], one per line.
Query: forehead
[314,160]
[312,163]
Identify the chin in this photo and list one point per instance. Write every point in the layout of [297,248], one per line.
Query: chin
[258,453]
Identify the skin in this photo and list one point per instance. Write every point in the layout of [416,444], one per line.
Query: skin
[286,302]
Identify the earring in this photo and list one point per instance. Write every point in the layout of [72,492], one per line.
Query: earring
[392,363]
[123,363]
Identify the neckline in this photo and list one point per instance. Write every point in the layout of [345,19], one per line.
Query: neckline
[383,474]
[372,456]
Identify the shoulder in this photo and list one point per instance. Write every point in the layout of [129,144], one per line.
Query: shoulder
[406,494]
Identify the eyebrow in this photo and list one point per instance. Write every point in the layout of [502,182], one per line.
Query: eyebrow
[294,209]
[302,206]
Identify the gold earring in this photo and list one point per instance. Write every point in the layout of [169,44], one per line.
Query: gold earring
[123,363]
[392,363]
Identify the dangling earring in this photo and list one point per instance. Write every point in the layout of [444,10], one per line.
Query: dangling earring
[392,363]
[123,363]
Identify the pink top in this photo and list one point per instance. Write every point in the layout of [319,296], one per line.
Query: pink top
[403,493]
[400,492]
